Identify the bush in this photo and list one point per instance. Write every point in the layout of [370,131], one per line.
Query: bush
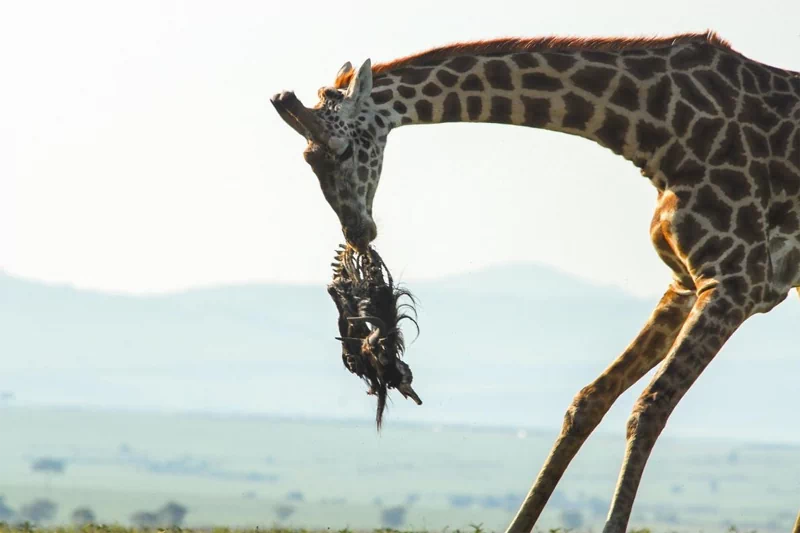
[571,518]
[284,511]
[83,516]
[40,510]
[393,517]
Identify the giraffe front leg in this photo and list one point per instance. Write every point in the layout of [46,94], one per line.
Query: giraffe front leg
[712,321]
[593,401]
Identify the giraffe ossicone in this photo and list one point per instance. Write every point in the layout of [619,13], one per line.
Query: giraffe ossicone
[715,132]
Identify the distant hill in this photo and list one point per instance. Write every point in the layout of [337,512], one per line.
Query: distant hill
[506,345]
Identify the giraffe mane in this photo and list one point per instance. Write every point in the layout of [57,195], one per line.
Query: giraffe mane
[517,44]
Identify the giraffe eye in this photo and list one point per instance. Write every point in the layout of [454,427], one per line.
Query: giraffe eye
[347,154]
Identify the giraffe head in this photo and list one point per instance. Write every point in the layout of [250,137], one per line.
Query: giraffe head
[345,148]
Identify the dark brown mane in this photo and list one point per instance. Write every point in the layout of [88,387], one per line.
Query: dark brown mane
[515,44]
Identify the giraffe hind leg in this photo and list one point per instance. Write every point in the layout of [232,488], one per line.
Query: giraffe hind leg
[712,321]
[594,400]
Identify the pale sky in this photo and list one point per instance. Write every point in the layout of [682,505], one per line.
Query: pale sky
[139,151]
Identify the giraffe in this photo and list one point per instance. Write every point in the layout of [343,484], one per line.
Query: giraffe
[715,132]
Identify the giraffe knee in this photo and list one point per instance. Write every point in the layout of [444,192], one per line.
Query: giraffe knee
[649,416]
[585,412]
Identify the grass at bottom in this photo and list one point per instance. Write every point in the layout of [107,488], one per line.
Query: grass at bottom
[92,528]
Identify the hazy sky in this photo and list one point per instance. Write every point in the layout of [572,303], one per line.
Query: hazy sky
[139,151]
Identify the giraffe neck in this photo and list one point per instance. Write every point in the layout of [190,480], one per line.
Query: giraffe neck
[619,99]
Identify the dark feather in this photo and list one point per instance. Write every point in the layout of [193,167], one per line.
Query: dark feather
[362,286]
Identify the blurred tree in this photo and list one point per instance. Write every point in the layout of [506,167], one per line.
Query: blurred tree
[284,511]
[49,465]
[394,517]
[171,515]
[82,516]
[7,514]
[144,519]
[571,518]
[41,510]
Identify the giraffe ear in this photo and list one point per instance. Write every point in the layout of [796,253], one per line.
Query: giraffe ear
[361,85]
[347,67]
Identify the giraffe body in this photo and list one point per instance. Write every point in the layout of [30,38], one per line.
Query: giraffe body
[716,133]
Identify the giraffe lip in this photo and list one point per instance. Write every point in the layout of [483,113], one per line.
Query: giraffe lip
[299,117]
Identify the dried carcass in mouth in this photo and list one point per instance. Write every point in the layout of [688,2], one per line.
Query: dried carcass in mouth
[365,295]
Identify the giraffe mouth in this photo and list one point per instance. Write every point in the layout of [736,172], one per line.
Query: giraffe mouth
[300,118]
[360,235]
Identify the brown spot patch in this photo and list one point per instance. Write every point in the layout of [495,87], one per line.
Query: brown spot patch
[778,213]
[645,68]
[537,111]
[424,110]
[709,252]
[682,118]
[704,133]
[472,83]
[720,91]
[612,132]
[732,182]
[498,75]
[710,206]
[578,111]
[759,173]
[650,138]
[779,83]
[596,56]
[431,89]
[406,92]
[451,108]
[731,149]
[560,62]
[761,75]
[500,111]
[626,94]
[749,226]
[756,113]
[592,79]
[381,97]
[688,232]
[658,98]
[691,56]
[783,179]
[672,159]
[538,81]
[728,67]
[756,260]
[734,261]
[748,82]
[446,78]
[382,81]
[525,60]
[474,107]
[779,140]
[413,76]
[689,173]
[692,94]
[757,142]
[781,103]
[461,63]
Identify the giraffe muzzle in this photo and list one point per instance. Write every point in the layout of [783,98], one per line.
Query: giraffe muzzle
[299,117]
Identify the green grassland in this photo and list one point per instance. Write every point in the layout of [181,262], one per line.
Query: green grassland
[93,528]
[325,476]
